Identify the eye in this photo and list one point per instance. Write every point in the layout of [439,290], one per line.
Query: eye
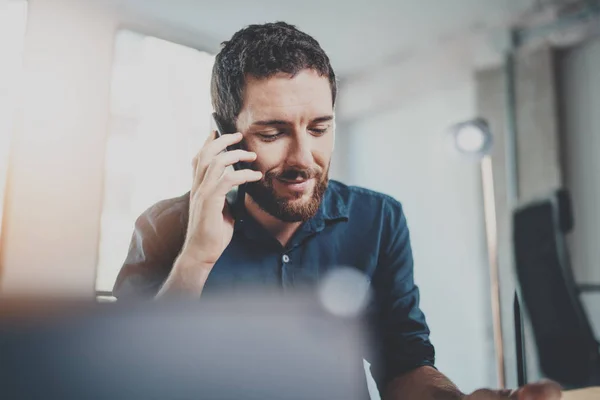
[270,137]
[319,131]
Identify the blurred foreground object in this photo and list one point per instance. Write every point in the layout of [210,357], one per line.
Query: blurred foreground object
[243,346]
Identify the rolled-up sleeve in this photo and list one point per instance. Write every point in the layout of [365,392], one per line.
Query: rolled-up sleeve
[401,331]
[143,271]
[156,241]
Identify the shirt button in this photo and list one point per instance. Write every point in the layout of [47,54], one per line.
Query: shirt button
[285,258]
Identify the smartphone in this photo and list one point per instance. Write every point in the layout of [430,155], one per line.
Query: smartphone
[238,192]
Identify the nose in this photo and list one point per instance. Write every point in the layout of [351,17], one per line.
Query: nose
[300,153]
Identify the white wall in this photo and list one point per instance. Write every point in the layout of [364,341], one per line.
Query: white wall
[402,151]
[579,71]
[54,194]
[55,178]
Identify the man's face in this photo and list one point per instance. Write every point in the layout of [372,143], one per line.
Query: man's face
[288,123]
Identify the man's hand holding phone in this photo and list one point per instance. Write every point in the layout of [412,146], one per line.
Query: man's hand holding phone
[210,224]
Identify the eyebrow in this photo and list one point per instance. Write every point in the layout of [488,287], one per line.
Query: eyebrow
[271,122]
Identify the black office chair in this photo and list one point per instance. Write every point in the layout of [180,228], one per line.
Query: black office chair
[568,351]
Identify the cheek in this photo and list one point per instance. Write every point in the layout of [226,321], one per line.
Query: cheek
[323,151]
[268,158]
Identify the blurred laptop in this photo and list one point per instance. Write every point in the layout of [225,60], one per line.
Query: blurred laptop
[245,346]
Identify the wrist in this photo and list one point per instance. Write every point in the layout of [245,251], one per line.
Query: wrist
[187,277]
[193,254]
[191,258]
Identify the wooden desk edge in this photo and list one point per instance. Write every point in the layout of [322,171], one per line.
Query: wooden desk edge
[592,393]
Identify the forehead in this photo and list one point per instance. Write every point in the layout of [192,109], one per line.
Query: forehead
[283,96]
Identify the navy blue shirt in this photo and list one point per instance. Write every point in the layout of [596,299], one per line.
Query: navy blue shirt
[353,227]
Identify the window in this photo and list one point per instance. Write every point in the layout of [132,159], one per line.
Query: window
[159,118]
[13,18]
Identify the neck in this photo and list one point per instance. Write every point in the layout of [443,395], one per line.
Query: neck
[282,231]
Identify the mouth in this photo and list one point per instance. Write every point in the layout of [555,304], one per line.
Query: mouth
[298,185]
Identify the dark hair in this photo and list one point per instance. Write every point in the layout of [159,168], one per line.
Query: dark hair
[262,51]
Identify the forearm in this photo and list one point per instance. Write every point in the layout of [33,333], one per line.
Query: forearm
[187,278]
[422,383]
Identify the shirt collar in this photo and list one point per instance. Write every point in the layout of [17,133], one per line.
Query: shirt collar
[334,205]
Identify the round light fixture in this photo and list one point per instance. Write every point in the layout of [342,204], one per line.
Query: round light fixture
[472,138]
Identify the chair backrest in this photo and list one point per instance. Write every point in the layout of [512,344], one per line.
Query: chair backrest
[568,351]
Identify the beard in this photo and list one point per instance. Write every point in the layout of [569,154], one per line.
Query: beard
[285,209]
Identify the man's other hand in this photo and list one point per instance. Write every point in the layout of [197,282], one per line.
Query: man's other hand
[543,390]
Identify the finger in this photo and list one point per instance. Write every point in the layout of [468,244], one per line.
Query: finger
[222,161]
[236,178]
[211,136]
[544,390]
[209,151]
[216,146]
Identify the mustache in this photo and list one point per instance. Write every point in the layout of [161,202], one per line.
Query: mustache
[294,173]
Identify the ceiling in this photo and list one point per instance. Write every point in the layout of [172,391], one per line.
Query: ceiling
[356,34]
